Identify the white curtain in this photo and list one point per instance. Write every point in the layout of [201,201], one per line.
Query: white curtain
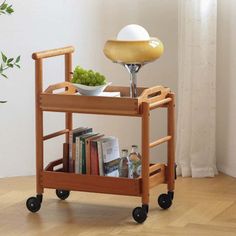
[195,149]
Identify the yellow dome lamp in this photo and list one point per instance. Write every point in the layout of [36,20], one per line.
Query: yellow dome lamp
[133,48]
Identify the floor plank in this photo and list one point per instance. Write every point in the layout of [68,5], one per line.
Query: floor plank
[201,207]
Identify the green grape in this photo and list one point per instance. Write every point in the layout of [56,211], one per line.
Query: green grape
[99,79]
[82,79]
[73,79]
[90,76]
[87,77]
[86,80]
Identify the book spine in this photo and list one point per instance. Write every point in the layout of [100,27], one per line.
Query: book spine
[94,158]
[80,157]
[100,159]
[70,151]
[89,130]
[83,157]
[88,154]
[77,155]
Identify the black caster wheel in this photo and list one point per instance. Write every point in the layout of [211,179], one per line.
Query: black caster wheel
[33,204]
[40,197]
[165,201]
[139,214]
[62,194]
[145,207]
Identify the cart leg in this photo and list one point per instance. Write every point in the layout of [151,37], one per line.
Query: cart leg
[145,155]
[68,70]
[165,200]
[68,115]
[34,203]
[39,127]
[39,151]
[171,147]
[140,213]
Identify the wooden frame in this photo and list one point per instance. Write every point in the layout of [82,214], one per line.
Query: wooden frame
[67,102]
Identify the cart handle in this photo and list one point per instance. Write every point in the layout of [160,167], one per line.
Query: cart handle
[53,52]
[69,88]
[154,94]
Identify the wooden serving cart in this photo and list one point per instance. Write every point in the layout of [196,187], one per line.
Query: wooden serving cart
[68,102]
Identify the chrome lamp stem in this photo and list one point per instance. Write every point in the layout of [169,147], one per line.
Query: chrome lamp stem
[133,70]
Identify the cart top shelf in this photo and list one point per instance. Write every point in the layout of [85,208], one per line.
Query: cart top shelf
[69,101]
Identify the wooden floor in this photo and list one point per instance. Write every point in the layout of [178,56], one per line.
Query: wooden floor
[201,207]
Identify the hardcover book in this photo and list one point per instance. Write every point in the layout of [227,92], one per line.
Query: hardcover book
[72,146]
[108,150]
[94,159]
[88,152]
[82,156]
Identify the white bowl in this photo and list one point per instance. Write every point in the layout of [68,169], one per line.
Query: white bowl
[90,90]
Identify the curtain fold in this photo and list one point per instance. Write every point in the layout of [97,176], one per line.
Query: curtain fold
[195,149]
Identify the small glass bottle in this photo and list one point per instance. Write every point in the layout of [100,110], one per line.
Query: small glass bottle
[135,163]
[124,164]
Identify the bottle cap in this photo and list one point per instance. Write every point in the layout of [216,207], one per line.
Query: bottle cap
[124,150]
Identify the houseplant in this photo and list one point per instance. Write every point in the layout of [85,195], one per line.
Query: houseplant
[7,63]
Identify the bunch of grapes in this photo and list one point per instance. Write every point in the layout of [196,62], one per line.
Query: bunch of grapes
[87,77]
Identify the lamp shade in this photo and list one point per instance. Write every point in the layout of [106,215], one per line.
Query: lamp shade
[133,52]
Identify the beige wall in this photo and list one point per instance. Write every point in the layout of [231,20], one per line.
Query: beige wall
[86,24]
[226,87]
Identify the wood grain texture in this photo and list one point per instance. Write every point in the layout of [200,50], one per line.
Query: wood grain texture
[171,143]
[38,123]
[70,89]
[145,152]
[201,207]
[91,183]
[89,104]
[55,134]
[159,141]
[52,52]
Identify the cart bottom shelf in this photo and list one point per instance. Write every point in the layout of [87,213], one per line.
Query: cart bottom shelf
[102,184]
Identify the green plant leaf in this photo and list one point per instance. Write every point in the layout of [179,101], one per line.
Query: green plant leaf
[9,10]
[3,101]
[17,65]
[3,6]
[4,58]
[10,65]
[17,59]
[4,76]
[10,60]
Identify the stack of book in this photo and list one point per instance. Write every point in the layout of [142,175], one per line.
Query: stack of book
[93,153]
